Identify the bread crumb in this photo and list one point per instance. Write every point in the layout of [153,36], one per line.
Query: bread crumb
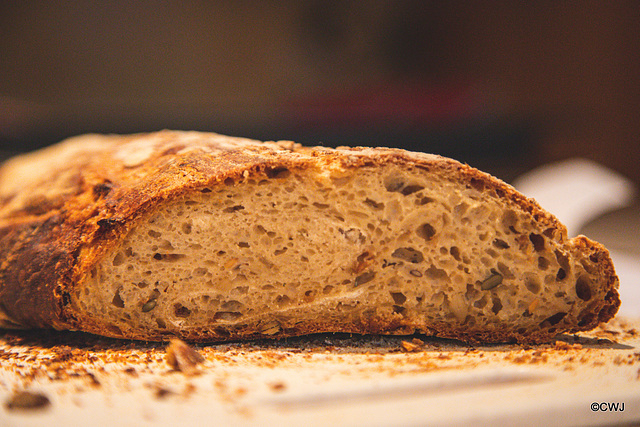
[561,345]
[278,386]
[181,357]
[415,345]
[189,389]
[161,392]
[27,400]
[131,371]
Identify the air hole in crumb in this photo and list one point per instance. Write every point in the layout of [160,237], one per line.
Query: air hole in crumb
[460,209]
[532,284]
[232,305]
[364,278]
[471,292]
[476,184]
[186,228]
[228,316]
[398,297]
[353,235]
[280,251]
[309,296]
[200,271]
[374,204]
[240,290]
[561,274]
[563,260]
[399,309]
[180,310]
[118,259]
[587,319]
[553,320]
[243,244]
[436,273]
[455,253]
[410,189]
[497,305]
[154,234]
[538,242]
[408,254]
[283,300]
[481,303]
[505,271]
[543,263]
[589,266]
[168,257]
[279,172]
[327,289]
[500,244]
[426,231]
[117,300]
[229,181]
[492,253]
[320,205]
[232,209]
[393,183]
[510,220]
[424,200]
[583,288]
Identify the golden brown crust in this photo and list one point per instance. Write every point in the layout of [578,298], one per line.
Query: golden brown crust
[63,208]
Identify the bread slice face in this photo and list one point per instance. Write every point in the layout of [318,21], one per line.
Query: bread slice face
[213,238]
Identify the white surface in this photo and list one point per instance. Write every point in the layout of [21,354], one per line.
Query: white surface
[576,191]
[628,270]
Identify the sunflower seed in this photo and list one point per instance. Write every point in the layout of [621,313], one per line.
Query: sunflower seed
[491,282]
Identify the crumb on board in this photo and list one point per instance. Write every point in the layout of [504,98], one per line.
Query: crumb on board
[181,357]
[33,359]
[27,400]
[561,345]
[415,345]
[277,386]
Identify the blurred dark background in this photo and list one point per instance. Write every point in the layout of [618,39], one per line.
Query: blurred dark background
[502,85]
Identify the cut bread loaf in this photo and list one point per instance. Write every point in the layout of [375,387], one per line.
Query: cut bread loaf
[208,238]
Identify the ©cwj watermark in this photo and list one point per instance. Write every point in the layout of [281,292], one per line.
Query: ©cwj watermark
[607,407]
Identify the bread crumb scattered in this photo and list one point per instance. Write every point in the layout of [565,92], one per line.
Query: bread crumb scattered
[27,400]
[181,357]
[162,393]
[415,345]
[278,386]
[561,345]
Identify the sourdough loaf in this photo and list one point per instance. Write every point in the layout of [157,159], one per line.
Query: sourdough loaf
[207,238]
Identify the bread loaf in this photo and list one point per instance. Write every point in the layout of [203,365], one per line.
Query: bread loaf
[208,238]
